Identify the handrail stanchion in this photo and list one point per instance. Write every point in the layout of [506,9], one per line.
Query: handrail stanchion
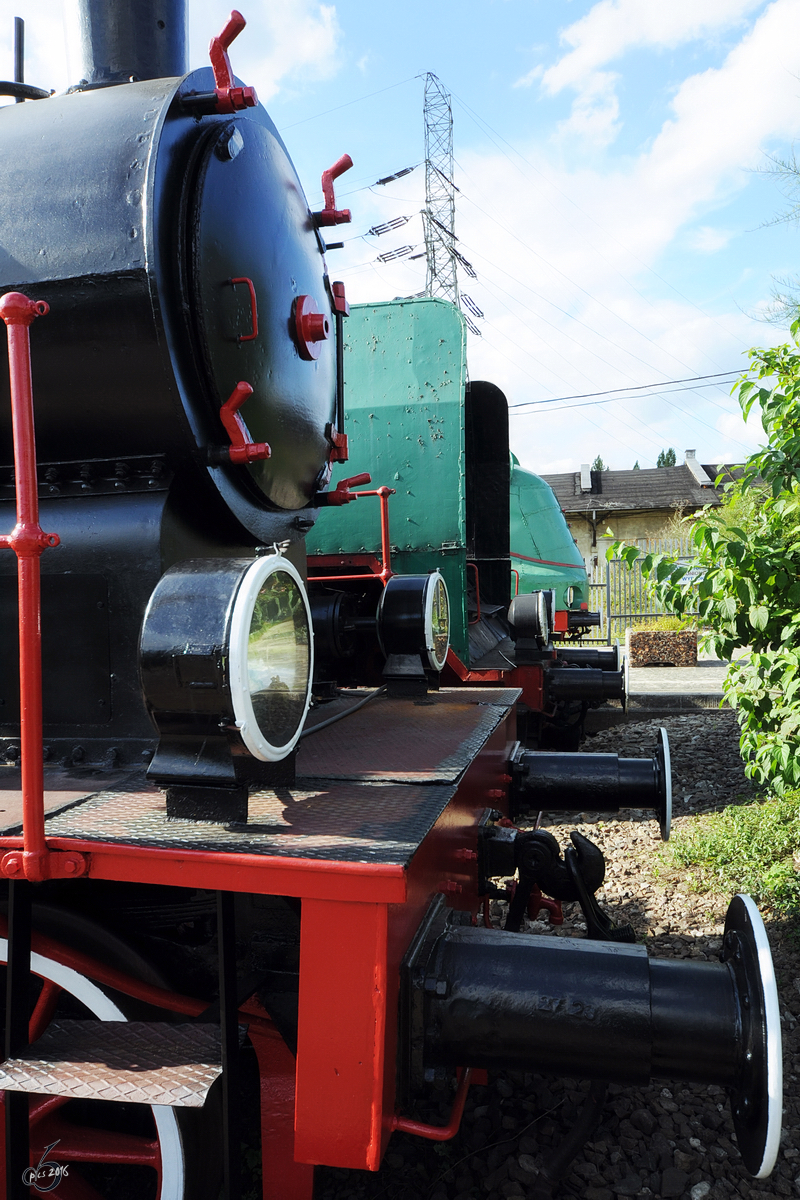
[27,540]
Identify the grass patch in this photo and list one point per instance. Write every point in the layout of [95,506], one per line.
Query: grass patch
[665,624]
[747,847]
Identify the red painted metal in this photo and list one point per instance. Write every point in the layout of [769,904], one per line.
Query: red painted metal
[242,449]
[529,678]
[282,1177]
[560,621]
[248,337]
[44,1009]
[515,572]
[547,562]
[340,304]
[341,494]
[230,98]
[339,451]
[28,541]
[477,592]
[311,327]
[439,1133]
[80,1145]
[460,673]
[539,903]
[383,493]
[342,1029]
[237,872]
[330,214]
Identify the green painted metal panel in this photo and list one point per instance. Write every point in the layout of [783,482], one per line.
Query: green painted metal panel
[405,373]
[542,547]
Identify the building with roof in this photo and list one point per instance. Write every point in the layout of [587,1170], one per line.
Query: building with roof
[633,504]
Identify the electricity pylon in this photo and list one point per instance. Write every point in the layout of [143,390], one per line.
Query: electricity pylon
[439,216]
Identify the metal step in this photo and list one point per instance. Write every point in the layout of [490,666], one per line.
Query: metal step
[136,1062]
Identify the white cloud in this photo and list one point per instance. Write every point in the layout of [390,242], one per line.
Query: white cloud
[612,27]
[708,240]
[595,111]
[607,32]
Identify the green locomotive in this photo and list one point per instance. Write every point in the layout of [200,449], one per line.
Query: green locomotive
[462,504]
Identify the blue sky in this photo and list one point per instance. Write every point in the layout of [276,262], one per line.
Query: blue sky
[611,200]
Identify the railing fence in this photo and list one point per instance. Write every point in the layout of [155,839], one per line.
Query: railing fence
[623,596]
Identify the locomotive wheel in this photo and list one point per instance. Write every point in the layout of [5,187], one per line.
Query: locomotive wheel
[124,1151]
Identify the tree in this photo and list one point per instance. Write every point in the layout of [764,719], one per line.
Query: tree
[666,458]
[786,289]
[636,466]
[745,580]
[599,465]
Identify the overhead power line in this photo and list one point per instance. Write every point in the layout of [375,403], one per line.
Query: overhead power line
[639,387]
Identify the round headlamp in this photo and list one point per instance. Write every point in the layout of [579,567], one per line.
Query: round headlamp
[226,649]
[414,618]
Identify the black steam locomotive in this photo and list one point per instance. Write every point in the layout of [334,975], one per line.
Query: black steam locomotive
[209,851]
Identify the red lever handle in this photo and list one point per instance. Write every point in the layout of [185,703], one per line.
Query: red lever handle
[330,214]
[236,24]
[229,97]
[242,448]
[341,494]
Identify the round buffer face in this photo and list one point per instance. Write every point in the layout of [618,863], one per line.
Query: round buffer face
[437,621]
[271,658]
[414,618]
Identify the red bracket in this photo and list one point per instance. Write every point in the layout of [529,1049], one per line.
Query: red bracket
[50,864]
[339,449]
[330,214]
[248,337]
[340,304]
[242,448]
[443,1133]
[229,97]
[341,494]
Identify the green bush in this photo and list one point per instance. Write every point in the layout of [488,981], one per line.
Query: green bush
[744,580]
[749,848]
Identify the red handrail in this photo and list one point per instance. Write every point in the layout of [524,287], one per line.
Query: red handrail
[27,540]
[383,493]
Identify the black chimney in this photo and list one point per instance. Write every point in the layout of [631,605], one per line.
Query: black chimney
[128,40]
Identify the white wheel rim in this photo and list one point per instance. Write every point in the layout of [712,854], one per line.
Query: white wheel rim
[772,1018]
[173,1177]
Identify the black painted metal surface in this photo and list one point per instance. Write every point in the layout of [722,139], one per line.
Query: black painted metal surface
[588,1009]
[604,657]
[139,226]
[584,683]
[487,483]
[555,782]
[332,821]
[141,39]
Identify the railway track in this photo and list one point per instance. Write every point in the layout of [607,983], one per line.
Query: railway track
[661,1141]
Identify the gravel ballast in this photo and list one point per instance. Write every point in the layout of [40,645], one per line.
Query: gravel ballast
[665,1140]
